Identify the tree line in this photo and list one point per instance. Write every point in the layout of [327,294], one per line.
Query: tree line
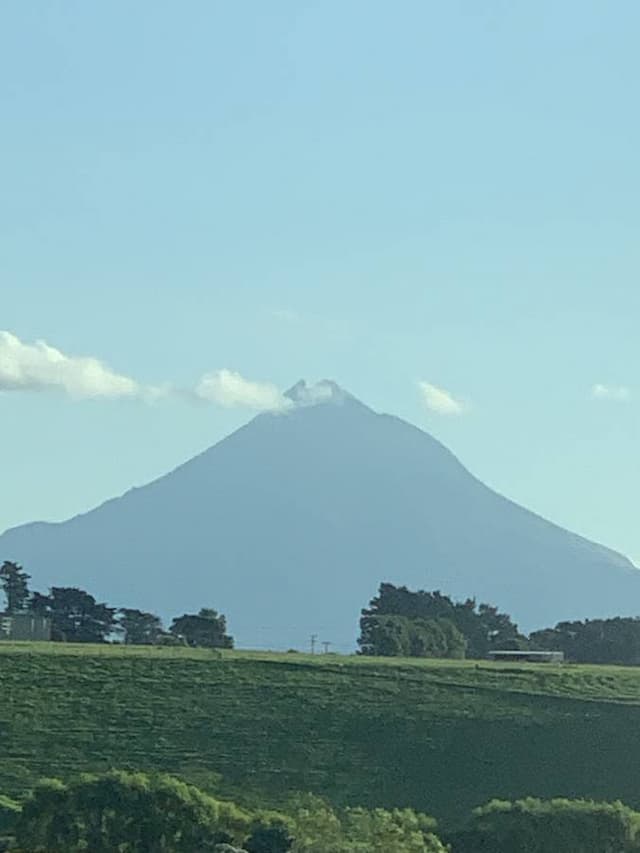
[138,813]
[403,623]
[76,617]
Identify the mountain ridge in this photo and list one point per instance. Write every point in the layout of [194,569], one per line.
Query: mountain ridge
[289,524]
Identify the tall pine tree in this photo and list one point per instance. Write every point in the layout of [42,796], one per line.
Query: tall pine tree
[15,586]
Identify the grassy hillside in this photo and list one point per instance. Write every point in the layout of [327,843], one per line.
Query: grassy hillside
[439,736]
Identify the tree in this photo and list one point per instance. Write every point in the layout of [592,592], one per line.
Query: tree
[483,626]
[207,629]
[594,640]
[385,636]
[436,638]
[318,828]
[139,628]
[15,585]
[75,615]
[399,636]
[561,826]
[127,812]
[396,831]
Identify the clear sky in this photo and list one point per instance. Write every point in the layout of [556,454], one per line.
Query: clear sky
[381,193]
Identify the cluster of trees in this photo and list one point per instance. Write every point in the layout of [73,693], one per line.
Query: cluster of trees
[612,641]
[76,617]
[542,826]
[135,812]
[138,813]
[399,622]
[403,623]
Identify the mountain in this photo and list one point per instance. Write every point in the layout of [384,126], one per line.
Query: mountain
[289,524]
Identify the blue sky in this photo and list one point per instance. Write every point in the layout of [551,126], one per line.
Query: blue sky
[385,194]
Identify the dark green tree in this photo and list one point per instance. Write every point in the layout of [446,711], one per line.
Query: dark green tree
[385,636]
[436,638]
[76,617]
[15,586]
[139,628]
[613,641]
[483,626]
[207,629]
[399,636]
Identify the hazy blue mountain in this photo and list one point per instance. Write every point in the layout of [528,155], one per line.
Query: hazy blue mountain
[290,523]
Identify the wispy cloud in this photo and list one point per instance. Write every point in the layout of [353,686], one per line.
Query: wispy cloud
[441,401]
[616,393]
[232,390]
[41,367]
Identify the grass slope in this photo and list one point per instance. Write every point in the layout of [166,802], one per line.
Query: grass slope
[439,736]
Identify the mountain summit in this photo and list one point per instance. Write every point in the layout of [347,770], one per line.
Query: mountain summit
[289,525]
[325,391]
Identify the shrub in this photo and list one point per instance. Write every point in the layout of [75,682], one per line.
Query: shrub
[541,826]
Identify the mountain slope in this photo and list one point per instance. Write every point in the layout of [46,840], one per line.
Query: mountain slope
[290,523]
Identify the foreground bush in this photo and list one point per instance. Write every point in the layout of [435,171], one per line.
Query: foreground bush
[127,812]
[136,813]
[320,829]
[551,826]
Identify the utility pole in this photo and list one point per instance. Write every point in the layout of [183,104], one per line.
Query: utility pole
[326,645]
[314,640]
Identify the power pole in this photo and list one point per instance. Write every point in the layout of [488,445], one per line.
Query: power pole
[314,640]
[326,644]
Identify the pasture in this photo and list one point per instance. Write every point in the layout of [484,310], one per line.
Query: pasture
[439,736]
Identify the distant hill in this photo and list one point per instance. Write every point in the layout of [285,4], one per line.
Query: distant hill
[290,523]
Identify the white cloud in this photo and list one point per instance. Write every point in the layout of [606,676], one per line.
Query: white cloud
[617,393]
[440,401]
[40,367]
[230,389]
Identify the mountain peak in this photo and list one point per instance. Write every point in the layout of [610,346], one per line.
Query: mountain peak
[325,391]
[308,512]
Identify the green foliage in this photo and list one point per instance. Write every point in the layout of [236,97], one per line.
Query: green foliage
[438,736]
[206,630]
[127,812]
[482,626]
[385,636]
[137,813]
[318,828]
[139,628]
[75,615]
[594,640]
[15,586]
[552,826]
[398,636]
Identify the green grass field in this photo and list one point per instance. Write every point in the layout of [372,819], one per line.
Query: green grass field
[440,736]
